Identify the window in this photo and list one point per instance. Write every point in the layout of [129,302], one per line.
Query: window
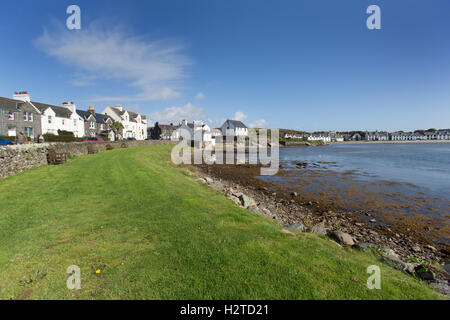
[92,125]
[62,121]
[75,122]
[28,131]
[28,116]
[11,131]
[49,119]
[10,115]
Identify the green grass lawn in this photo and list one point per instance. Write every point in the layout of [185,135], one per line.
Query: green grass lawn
[156,233]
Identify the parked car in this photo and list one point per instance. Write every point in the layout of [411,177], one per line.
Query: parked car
[131,139]
[94,139]
[4,142]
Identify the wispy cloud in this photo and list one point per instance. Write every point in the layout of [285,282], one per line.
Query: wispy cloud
[154,68]
[240,116]
[200,96]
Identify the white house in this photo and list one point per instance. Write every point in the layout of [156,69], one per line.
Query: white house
[54,118]
[197,131]
[135,125]
[234,128]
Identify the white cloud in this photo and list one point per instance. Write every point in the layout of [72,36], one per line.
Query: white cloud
[259,124]
[200,96]
[176,114]
[240,116]
[154,68]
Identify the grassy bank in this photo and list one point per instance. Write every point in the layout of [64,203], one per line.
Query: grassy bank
[153,232]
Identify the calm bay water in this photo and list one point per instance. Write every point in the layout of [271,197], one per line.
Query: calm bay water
[423,164]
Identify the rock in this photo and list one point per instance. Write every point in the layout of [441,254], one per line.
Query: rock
[235,200]
[296,226]
[431,248]
[359,224]
[410,267]
[201,180]
[373,220]
[208,179]
[390,254]
[426,275]
[319,229]
[416,248]
[343,238]
[288,232]
[447,267]
[246,201]
[294,194]
[292,201]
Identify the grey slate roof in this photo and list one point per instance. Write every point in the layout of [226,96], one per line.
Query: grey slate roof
[60,112]
[10,104]
[99,118]
[235,123]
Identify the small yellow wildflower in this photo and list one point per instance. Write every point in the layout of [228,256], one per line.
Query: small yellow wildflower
[97,271]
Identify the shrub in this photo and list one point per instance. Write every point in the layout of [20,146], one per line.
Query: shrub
[64,137]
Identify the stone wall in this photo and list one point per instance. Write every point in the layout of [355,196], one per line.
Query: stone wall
[15,159]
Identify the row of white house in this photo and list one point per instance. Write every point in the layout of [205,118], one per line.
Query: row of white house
[40,118]
[325,137]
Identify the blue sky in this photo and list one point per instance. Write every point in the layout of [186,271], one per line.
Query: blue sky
[307,65]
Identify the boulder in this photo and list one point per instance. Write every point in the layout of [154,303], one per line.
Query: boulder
[246,201]
[235,200]
[447,267]
[295,226]
[410,267]
[319,229]
[208,179]
[426,275]
[342,237]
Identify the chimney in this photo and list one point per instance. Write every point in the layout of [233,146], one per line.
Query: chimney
[91,109]
[22,96]
[184,122]
[70,105]
[119,107]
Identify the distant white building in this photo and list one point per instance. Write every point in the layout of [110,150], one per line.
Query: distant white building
[319,137]
[135,125]
[377,136]
[234,128]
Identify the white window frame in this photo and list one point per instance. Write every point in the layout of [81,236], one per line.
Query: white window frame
[11,115]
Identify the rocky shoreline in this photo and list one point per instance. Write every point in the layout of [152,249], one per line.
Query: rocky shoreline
[400,250]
